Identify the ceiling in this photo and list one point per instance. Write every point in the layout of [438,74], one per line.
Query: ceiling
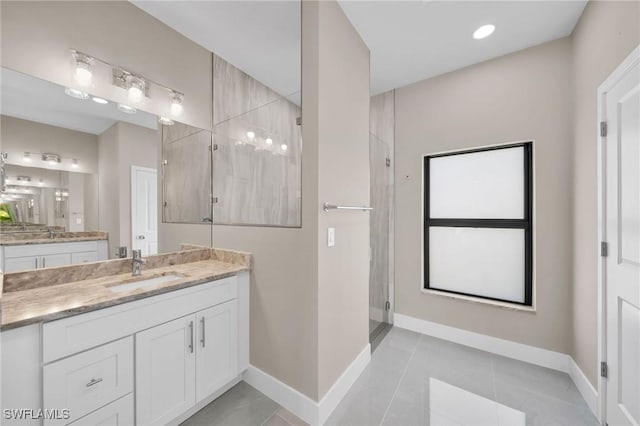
[414,40]
[30,98]
[262,38]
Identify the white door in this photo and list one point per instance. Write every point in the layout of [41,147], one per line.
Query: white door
[217,342]
[165,371]
[621,151]
[144,210]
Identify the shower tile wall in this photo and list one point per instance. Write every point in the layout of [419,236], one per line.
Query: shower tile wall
[381,142]
[256,179]
[186,174]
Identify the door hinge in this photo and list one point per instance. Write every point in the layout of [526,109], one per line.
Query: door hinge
[604,249]
[603,128]
[214,200]
[387,306]
[387,161]
[215,146]
[299,121]
[165,162]
[604,370]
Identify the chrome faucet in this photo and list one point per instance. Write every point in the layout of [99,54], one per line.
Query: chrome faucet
[137,263]
[52,232]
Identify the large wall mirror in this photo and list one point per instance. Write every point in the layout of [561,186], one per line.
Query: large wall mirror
[257,140]
[80,168]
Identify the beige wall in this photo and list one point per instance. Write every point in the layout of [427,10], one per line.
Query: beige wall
[37,36]
[108,186]
[343,178]
[521,96]
[20,135]
[606,33]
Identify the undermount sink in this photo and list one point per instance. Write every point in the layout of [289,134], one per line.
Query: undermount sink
[142,282]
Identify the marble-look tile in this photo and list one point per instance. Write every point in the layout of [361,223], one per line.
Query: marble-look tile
[382,116]
[187,179]
[255,183]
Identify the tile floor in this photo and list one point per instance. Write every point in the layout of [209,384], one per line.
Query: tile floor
[415,379]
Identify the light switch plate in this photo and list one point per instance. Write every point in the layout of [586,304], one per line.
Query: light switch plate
[331,237]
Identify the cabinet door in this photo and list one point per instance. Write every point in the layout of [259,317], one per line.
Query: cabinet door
[52,260]
[16,264]
[165,371]
[217,348]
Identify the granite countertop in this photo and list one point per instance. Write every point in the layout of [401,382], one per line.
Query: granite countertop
[30,304]
[28,238]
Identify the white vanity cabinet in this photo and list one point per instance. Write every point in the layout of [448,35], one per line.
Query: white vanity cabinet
[37,256]
[151,361]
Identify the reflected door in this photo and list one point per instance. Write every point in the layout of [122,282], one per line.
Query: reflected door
[144,210]
[380,227]
[621,150]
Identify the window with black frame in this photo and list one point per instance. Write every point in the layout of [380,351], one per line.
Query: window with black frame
[478,210]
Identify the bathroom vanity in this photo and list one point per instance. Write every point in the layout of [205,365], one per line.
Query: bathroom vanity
[91,344]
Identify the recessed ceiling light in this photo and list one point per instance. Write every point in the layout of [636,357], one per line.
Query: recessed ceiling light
[251,135]
[268,141]
[99,100]
[74,163]
[126,109]
[75,93]
[484,31]
[283,147]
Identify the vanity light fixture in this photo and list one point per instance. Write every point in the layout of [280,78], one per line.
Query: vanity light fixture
[251,135]
[75,93]
[26,157]
[126,109]
[165,121]
[268,141]
[484,31]
[99,100]
[41,183]
[52,159]
[74,163]
[83,73]
[284,147]
[136,88]
[176,103]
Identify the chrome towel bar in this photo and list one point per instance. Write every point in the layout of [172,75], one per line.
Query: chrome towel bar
[326,207]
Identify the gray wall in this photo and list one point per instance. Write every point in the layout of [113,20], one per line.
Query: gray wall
[521,96]
[606,33]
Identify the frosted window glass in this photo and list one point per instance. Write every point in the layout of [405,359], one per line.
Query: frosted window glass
[478,185]
[485,262]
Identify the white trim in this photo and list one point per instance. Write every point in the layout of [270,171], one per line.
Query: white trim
[621,70]
[588,392]
[531,354]
[341,386]
[312,412]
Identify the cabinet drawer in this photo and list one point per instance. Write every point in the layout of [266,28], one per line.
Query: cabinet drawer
[118,413]
[88,256]
[89,380]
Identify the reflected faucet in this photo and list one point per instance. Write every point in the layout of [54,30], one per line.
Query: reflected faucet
[52,232]
[137,262]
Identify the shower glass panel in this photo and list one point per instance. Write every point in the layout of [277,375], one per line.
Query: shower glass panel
[380,224]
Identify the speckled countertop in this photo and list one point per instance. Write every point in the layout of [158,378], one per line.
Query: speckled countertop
[28,238]
[24,302]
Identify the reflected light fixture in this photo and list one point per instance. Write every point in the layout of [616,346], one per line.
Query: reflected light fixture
[26,157]
[251,135]
[284,147]
[52,159]
[41,183]
[126,109]
[74,163]
[99,100]
[484,31]
[268,141]
[176,103]
[166,121]
[83,73]
[75,93]
[136,87]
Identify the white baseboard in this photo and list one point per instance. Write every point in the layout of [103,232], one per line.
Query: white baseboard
[531,354]
[588,392]
[312,412]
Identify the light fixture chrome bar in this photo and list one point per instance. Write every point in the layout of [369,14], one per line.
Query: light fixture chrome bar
[326,207]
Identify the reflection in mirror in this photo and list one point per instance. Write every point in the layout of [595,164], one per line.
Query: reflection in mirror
[79,170]
[256,109]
